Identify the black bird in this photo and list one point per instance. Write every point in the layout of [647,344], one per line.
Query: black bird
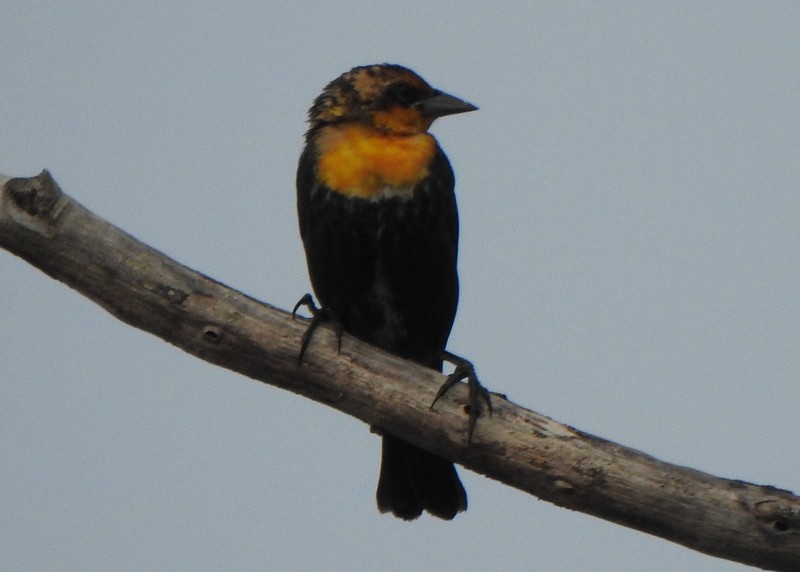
[379,224]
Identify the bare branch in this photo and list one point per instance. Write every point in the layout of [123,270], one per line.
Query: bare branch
[757,525]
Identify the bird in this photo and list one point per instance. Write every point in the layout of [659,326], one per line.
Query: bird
[379,224]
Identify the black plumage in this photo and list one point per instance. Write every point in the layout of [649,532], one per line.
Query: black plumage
[384,266]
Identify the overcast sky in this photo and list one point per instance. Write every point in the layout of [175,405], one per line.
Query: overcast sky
[629,265]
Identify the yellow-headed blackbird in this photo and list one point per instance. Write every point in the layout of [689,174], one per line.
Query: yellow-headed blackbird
[379,224]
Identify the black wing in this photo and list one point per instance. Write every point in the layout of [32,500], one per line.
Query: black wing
[385,268]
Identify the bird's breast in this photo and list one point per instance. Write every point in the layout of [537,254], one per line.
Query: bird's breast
[359,161]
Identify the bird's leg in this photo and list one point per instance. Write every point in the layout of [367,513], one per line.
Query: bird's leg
[478,395]
[318,316]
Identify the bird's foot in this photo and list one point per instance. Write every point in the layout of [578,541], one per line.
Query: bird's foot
[478,394]
[318,316]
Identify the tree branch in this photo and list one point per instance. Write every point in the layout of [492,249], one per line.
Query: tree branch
[752,524]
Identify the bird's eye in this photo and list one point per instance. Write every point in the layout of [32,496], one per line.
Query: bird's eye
[404,94]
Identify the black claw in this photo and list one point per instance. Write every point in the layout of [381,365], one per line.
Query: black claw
[318,316]
[478,394]
[308,301]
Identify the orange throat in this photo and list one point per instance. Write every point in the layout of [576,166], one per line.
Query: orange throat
[360,161]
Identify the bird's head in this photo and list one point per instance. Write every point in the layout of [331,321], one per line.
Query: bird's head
[388,97]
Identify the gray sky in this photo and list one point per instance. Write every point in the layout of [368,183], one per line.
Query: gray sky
[629,265]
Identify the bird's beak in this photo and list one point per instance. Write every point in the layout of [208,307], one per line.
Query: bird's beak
[442,104]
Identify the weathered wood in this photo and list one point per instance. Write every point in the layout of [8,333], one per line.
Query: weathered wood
[757,525]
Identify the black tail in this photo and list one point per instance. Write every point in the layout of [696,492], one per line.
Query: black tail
[413,480]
